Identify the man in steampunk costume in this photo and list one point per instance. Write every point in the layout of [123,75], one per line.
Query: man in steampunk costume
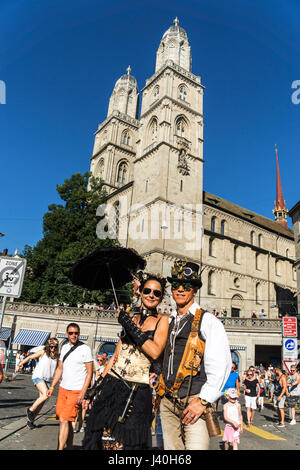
[196,365]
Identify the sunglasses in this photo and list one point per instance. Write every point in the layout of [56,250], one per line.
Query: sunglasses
[147,291]
[53,347]
[186,285]
[70,333]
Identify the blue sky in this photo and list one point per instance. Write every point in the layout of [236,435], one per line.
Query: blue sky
[60,60]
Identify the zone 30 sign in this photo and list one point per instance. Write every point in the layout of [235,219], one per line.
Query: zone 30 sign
[12,272]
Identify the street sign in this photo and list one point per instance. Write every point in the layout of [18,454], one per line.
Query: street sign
[289,364]
[289,349]
[12,271]
[289,327]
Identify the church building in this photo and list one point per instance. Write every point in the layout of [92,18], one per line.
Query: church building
[150,157]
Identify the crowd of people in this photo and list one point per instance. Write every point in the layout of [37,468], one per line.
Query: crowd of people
[167,371]
[256,384]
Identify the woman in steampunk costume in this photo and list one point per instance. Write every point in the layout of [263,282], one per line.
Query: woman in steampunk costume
[121,413]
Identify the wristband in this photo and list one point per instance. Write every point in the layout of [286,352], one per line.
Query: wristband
[51,388]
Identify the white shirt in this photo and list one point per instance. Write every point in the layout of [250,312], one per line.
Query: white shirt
[45,368]
[74,370]
[217,358]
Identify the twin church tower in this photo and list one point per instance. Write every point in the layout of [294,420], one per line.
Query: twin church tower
[150,157]
[152,162]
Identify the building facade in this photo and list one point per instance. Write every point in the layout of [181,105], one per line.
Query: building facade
[152,166]
[295,214]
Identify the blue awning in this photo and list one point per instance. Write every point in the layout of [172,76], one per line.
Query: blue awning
[5,333]
[62,335]
[31,337]
[107,340]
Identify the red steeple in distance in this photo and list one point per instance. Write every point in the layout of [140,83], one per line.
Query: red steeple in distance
[280,210]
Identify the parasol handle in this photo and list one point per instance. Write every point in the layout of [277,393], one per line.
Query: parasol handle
[117,303]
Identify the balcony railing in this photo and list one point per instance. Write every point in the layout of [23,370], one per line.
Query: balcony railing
[93,313]
[252,323]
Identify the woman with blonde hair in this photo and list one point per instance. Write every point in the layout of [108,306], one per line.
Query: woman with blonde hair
[41,376]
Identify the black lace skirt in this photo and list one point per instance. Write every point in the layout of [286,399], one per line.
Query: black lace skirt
[135,432]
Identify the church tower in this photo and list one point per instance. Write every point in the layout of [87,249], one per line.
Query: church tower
[280,209]
[115,139]
[166,205]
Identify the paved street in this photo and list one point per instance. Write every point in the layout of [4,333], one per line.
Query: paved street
[17,395]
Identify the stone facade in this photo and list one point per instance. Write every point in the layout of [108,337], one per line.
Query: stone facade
[152,165]
[295,214]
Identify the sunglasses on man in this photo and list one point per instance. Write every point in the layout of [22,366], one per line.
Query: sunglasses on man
[186,285]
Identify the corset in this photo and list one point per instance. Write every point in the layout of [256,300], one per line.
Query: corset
[132,364]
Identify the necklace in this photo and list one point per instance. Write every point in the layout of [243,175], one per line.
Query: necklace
[145,313]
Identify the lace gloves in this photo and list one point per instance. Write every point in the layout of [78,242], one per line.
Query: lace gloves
[135,333]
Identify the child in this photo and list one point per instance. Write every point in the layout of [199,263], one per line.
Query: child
[262,392]
[233,418]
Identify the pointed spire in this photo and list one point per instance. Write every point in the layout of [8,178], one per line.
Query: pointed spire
[280,210]
[128,70]
[176,21]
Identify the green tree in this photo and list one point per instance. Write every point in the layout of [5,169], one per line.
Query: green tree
[69,233]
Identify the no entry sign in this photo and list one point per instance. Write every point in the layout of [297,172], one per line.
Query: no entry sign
[289,327]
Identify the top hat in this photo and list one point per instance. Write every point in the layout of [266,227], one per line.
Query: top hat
[185,271]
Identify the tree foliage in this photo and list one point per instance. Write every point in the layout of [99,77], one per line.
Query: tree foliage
[69,233]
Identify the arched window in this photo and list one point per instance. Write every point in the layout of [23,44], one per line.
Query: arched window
[182,92]
[213,224]
[259,240]
[211,247]
[122,173]
[223,222]
[258,293]
[287,253]
[100,168]
[181,127]
[252,238]
[126,139]
[236,254]
[181,54]
[156,92]
[153,130]
[257,261]
[117,217]
[211,283]
[278,267]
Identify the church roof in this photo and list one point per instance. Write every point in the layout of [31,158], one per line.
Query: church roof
[175,31]
[127,79]
[245,214]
